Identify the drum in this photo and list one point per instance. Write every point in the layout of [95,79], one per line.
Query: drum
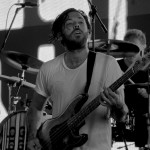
[13,132]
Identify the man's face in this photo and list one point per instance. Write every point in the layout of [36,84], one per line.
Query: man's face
[135,56]
[75,31]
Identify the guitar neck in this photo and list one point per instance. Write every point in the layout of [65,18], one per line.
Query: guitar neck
[80,116]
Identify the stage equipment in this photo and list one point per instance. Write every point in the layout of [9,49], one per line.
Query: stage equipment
[139,85]
[92,14]
[13,131]
[13,82]
[116,48]
[22,61]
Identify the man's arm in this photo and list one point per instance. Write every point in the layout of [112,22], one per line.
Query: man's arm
[115,102]
[119,109]
[34,115]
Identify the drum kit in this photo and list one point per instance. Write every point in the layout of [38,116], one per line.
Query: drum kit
[25,63]
[13,127]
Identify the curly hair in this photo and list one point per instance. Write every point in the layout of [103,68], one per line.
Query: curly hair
[60,21]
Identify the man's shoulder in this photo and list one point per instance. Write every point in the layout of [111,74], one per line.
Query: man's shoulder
[54,60]
[52,64]
[104,57]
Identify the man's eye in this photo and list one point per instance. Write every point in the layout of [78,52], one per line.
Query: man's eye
[81,22]
[69,24]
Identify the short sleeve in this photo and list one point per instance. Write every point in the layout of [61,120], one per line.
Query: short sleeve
[114,72]
[41,84]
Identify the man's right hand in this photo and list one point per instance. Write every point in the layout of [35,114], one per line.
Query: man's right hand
[33,144]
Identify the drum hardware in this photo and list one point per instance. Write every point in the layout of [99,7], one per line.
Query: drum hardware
[14,101]
[93,13]
[48,108]
[15,82]
[25,102]
[139,85]
[124,131]
[13,131]
[148,115]
[122,134]
[8,31]
[25,63]
[116,48]
[9,98]
[120,147]
[22,61]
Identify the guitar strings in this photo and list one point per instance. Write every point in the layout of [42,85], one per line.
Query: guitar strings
[64,130]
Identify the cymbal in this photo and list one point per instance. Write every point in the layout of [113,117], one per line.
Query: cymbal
[138,85]
[13,80]
[116,48]
[22,61]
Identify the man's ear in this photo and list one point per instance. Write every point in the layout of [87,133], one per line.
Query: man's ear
[89,35]
[59,36]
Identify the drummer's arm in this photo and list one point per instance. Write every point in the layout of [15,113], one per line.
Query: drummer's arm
[34,115]
[143,92]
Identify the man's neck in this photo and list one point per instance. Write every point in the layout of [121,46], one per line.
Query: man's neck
[74,59]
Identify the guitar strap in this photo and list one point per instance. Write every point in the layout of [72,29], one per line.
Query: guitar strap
[90,65]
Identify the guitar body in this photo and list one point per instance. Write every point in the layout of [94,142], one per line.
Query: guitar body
[55,134]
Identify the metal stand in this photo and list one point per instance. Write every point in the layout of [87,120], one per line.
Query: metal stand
[148,116]
[10,110]
[94,13]
[9,98]
[13,100]
[8,32]
[121,130]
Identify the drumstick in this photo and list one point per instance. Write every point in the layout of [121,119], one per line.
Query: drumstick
[131,81]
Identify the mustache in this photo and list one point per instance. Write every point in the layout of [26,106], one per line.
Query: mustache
[76,30]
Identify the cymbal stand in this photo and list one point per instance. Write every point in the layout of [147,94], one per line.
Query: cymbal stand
[148,116]
[9,98]
[121,129]
[12,100]
[94,13]
[24,68]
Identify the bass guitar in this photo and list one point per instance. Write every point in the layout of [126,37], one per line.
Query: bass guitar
[62,133]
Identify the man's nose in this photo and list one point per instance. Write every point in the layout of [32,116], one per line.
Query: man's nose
[76,26]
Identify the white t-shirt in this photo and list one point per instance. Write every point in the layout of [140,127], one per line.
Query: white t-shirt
[62,85]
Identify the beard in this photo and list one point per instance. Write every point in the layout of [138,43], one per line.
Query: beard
[73,44]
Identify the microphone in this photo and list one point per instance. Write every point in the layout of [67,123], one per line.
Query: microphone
[27,4]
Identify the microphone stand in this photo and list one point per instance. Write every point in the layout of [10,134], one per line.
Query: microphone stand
[94,13]
[148,116]
[8,32]
[1,50]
